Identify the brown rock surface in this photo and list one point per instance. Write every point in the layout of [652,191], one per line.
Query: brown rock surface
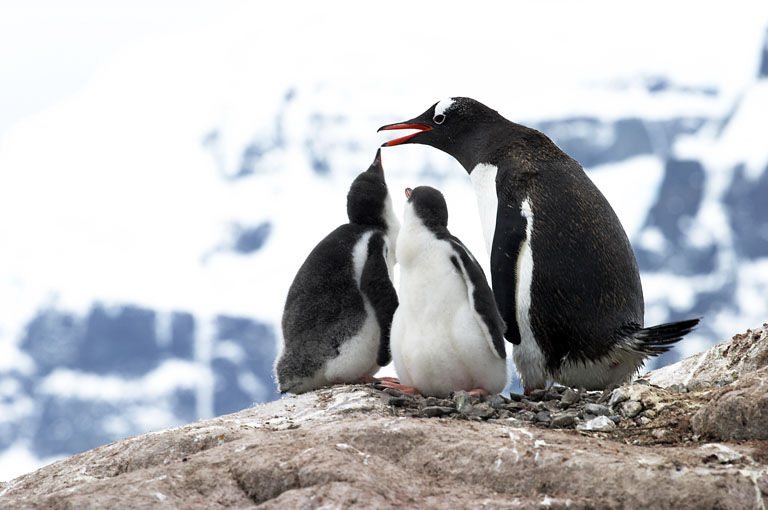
[341,447]
[352,447]
[736,411]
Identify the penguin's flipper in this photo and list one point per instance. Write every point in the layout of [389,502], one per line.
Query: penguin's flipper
[378,288]
[508,239]
[480,297]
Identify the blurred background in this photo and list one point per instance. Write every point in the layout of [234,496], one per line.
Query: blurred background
[165,168]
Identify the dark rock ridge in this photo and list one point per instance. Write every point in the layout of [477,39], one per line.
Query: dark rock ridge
[359,447]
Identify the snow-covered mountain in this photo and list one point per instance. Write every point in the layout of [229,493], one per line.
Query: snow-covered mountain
[152,222]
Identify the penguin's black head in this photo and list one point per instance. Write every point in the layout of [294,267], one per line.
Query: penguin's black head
[367,196]
[429,205]
[458,126]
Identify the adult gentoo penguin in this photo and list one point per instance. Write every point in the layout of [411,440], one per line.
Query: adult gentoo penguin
[563,272]
[447,334]
[339,308]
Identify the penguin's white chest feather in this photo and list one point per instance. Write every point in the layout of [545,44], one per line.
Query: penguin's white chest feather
[437,344]
[390,241]
[483,178]
[528,357]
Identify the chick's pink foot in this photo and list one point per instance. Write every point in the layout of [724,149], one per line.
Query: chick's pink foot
[390,379]
[410,390]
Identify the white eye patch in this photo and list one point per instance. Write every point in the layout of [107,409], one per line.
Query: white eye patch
[443,105]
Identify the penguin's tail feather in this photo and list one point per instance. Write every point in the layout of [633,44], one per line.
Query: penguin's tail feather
[656,340]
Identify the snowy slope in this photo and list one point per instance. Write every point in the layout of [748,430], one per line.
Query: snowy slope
[152,221]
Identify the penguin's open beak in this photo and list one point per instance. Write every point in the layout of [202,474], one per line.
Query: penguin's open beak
[408,192]
[423,123]
[411,124]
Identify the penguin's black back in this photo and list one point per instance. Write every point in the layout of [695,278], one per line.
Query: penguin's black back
[586,284]
[324,306]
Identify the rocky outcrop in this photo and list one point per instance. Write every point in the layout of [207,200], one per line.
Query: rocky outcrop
[736,411]
[730,381]
[359,447]
[721,364]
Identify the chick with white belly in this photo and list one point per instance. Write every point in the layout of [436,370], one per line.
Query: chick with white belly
[447,333]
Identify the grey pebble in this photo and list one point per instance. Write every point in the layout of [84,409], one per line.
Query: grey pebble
[395,393]
[434,401]
[402,402]
[599,423]
[462,401]
[543,417]
[617,397]
[498,402]
[570,397]
[563,421]
[513,406]
[432,411]
[631,408]
[482,410]
[597,409]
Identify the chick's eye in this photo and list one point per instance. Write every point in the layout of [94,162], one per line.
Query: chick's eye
[439,118]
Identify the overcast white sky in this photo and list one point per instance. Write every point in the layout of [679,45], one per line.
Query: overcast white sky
[49,49]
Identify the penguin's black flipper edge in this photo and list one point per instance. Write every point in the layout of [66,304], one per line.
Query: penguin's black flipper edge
[480,296]
[378,288]
[505,251]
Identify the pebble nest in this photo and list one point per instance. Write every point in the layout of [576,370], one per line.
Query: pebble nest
[626,411]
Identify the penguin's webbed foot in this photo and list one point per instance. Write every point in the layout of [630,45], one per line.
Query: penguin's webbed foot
[371,379]
[479,392]
[409,390]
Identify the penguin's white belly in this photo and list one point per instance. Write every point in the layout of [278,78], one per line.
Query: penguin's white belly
[357,356]
[617,368]
[437,344]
